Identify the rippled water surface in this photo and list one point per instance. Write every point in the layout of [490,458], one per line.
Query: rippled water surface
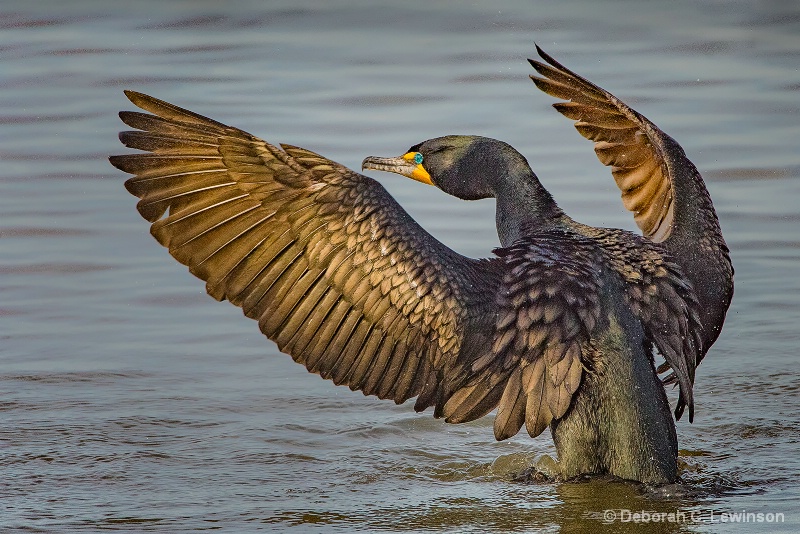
[130,400]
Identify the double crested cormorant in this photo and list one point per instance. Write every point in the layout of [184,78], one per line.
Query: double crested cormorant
[558,329]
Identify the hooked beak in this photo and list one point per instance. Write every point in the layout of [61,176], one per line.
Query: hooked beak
[404,165]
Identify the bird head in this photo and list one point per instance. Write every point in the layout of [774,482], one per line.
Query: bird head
[465,166]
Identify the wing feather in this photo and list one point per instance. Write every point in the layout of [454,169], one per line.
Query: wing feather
[547,308]
[333,269]
[659,184]
[623,140]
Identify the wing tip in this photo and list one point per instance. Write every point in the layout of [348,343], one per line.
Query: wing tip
[538,65]
[138,99]
[541,83]
[117,161]
[547,57]
[170,112]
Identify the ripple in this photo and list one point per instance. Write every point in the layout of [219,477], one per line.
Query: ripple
[768,244]
[174,300]
[43,232]
[81,51]
[201,21]
[293,518]
[44,118]
[485,78]
[19,21]
[52,176]
[54,268]
[137,81]
[751,173]
[701,47]
[384,100]
[193,49]
[129,423]
[74,377]
[689,83]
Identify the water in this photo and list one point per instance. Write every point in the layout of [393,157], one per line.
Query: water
[131,401]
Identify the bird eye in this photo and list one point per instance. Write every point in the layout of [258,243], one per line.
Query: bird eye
[418,158]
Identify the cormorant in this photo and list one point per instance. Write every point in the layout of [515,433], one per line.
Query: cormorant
[557,329]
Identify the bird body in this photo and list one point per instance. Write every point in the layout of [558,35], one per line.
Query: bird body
[556,329]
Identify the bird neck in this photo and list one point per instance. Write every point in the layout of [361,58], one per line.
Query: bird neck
[523,204]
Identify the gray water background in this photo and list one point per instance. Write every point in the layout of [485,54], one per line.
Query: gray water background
[129,400]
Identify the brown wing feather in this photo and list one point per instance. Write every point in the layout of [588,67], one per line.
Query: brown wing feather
[333,269]
[547,307]
[623,140]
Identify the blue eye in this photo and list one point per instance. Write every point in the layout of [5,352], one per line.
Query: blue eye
[418,158]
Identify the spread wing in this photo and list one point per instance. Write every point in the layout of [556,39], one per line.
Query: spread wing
[331,267]
[547,307]
[659,184]
[634,148]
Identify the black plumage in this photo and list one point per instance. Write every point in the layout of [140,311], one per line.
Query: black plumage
[348,284]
